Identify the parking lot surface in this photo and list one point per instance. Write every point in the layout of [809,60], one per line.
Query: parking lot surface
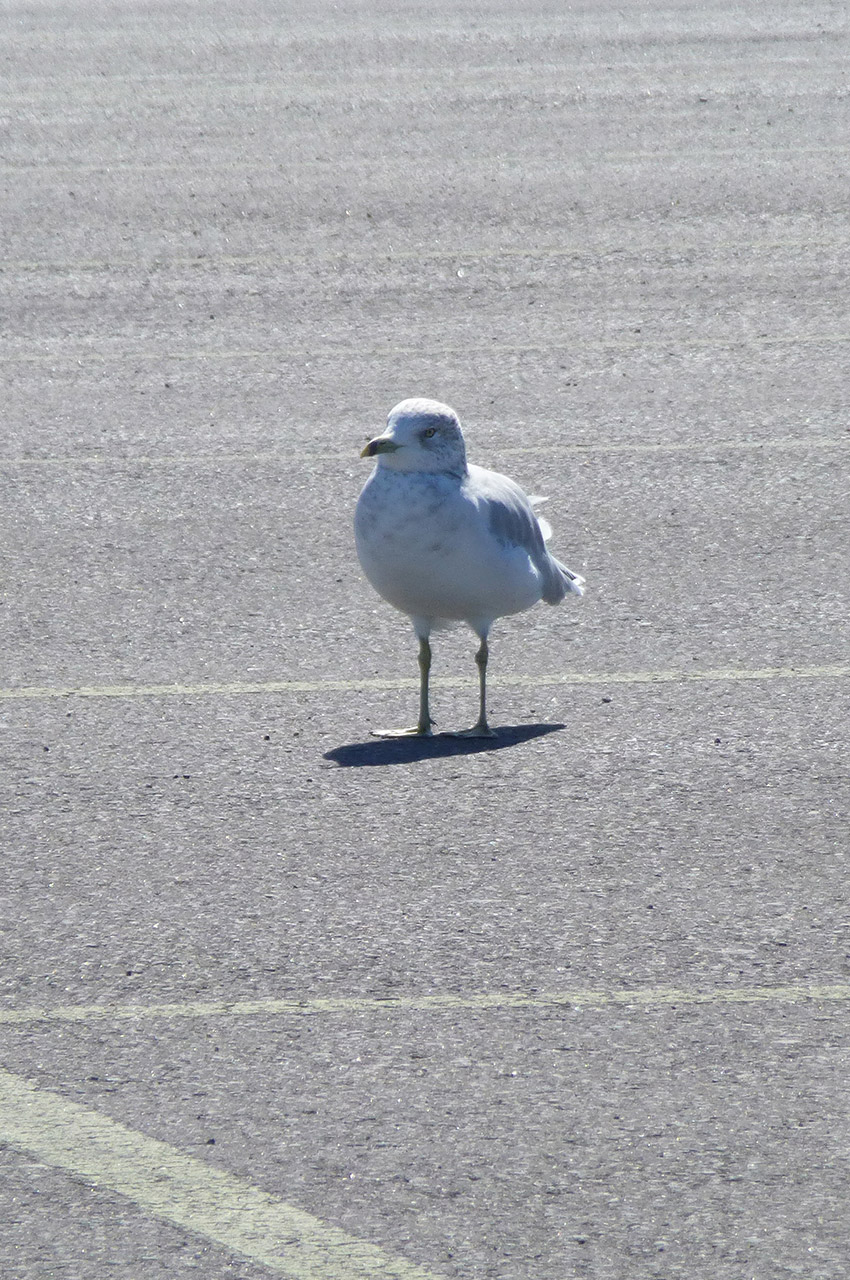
[280,998]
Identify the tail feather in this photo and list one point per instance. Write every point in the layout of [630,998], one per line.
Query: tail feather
[560,582]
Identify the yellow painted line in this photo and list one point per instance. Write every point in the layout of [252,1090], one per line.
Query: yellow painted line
[576,162]
[557,343]
[703,448]
[442,1003]
[710,153]
[551,75]
[238,688]
[188,1192]
[462,255]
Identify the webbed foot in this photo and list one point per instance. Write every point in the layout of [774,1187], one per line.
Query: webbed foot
[477,731]
[418,731]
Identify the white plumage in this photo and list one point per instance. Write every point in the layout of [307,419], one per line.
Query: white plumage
[447,542]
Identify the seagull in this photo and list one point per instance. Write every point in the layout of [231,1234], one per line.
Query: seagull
[447,542]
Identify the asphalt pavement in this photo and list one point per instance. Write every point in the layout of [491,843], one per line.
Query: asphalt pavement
[281,998]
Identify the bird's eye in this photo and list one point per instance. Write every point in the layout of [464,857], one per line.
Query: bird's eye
[428,432]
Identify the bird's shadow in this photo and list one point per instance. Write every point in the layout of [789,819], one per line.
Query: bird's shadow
[380,751]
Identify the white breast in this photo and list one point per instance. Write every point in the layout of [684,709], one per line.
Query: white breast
[428,549]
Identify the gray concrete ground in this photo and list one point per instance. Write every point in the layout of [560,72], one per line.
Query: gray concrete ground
[614,237]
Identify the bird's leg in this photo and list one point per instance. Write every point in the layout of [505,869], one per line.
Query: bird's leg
[423,728]
[481,728]
[424,725]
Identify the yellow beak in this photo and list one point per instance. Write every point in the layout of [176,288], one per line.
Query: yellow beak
[381,444]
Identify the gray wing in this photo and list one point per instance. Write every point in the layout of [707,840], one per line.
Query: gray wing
[512,520]
[509,513]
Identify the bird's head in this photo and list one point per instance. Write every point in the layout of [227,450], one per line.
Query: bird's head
[421,435]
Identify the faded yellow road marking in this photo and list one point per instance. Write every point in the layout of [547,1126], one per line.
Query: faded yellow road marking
[703,448]
[186,1191]
[447,1002]
[558,342]
[579,162]
[467,254]
[238,688]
